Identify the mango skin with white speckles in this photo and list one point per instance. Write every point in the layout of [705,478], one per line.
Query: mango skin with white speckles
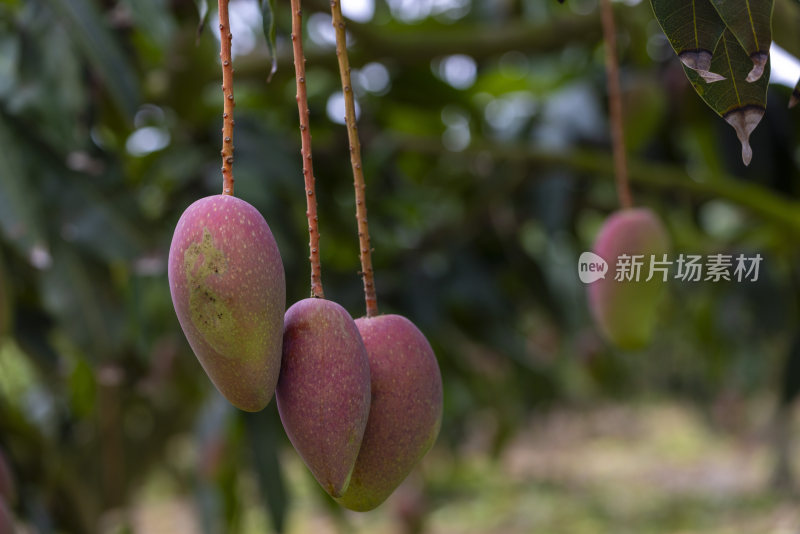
[323,394]
[625,311]
[229,291]
[405,414]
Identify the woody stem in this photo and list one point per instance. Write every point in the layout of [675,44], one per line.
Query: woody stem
[228,102]
[365,249]
[305,137]
[615,106]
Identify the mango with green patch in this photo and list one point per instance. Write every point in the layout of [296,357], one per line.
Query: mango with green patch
[323,394]
[229,291]
[405,413]
[625,310]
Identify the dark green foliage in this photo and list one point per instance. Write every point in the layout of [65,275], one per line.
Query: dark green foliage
[8,487]
[724,45]
[6,304]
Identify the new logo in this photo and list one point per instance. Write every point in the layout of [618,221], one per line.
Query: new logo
[591,267]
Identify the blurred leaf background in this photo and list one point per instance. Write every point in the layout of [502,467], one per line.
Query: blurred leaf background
[489,171]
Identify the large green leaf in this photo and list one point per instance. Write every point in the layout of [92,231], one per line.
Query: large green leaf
[740,103]
[154,19]
[202,13]
[750,22]
[20,209]
[98,45]
[262,427]
[693,28]
[73,292]
[268,22]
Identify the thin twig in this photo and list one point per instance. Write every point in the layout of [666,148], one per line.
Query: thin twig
[771,208]
[365,249]
[305,136]
[615,106]
[228,102]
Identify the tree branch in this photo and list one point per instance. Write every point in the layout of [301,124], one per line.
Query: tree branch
[413,44]
[596,164]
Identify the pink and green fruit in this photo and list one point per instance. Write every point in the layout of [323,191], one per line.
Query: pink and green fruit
[323,393]
[406,410]
[228,288]
[625,311]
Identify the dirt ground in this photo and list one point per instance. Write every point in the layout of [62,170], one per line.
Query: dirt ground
[654,468]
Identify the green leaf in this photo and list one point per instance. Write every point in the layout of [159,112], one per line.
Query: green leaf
[20,211]
[212,435]
[82,388]
[73,292]
[92,221]
[741,104]
[154,19]
[750,22]
[795,98]
[262,427]
[32,329]
[268,22]
[98,45]
[202,12]
[693,28]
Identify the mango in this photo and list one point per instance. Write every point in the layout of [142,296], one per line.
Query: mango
[406,410]
[229,292]
[323,393]
[625,311]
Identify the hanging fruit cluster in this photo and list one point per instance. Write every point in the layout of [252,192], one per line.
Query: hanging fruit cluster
[361,401]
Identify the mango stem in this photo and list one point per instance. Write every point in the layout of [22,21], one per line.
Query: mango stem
[228,103]
[365,248]
[305,137]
